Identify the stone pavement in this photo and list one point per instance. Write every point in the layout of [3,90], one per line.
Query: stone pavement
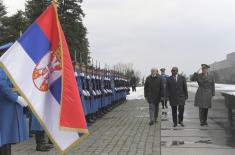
[123,131]
[218,138]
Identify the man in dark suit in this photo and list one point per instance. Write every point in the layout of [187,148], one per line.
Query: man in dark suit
[152,93]
[178,93]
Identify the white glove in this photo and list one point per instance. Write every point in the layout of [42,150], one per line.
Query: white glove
[76,74]
[21,101]
[105,91]
[84,92]
[88,94]
[93,92]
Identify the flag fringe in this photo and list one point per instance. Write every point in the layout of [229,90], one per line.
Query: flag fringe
[16,87]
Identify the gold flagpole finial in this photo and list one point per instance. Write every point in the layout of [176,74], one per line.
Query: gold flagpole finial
[54,1]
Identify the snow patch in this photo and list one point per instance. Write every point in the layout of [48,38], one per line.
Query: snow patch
[221,88]
[138,95]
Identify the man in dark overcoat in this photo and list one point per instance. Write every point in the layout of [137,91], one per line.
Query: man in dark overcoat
[152,93]
[178,93]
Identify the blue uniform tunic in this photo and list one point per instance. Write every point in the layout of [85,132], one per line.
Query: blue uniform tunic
[13,127]
[79,82]
[93,101]
[99,89]
[164,87]
[104,97]
[36,126]
[113,89]
[87,101]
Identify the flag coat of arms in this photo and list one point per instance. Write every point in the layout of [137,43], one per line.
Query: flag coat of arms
[40,67]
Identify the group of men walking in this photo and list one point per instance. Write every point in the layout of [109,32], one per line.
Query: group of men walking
[161,88]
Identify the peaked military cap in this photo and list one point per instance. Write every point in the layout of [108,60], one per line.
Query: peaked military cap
[205,66]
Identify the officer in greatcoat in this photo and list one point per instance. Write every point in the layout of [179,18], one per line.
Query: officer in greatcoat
[205,92]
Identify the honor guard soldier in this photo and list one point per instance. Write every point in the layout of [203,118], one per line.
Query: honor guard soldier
[13,128]
[164,97]
[90,89]
[39,132]
[86,93]
[109,90]
[94,93]
[104,92]
[79,75]
[112,78]
[98,91]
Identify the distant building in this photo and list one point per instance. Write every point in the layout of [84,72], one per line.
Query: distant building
[224,71]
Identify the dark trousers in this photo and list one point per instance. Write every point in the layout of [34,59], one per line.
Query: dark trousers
[180,113]
[203,112]
[133,88]
[164,103]
[5,149]
[153,111]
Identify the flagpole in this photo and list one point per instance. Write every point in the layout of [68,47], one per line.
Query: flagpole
[54,3]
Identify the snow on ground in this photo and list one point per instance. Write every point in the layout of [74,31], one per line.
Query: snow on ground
[192,87]
[138,95]
[222,88]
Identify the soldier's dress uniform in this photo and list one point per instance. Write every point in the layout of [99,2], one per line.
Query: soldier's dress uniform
[39,135]
[204,94]
[104,93]
[13,127]
[112,78]
[79,77]
[99,93]
[86,92]
[117,89]
[94,94]
[92,103]
[109,91]
[164,97]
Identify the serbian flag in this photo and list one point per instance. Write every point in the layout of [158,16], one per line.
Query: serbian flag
[40,67]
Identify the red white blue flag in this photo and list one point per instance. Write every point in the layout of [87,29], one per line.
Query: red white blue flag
[40,67]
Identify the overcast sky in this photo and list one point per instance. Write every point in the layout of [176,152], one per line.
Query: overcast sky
[157,33]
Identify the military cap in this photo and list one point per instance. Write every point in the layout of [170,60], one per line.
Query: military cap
[205,66]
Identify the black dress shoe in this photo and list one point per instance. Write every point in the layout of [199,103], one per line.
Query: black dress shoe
[151,123]
[204,123]
[175,125]
[182,124]
[42,148]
